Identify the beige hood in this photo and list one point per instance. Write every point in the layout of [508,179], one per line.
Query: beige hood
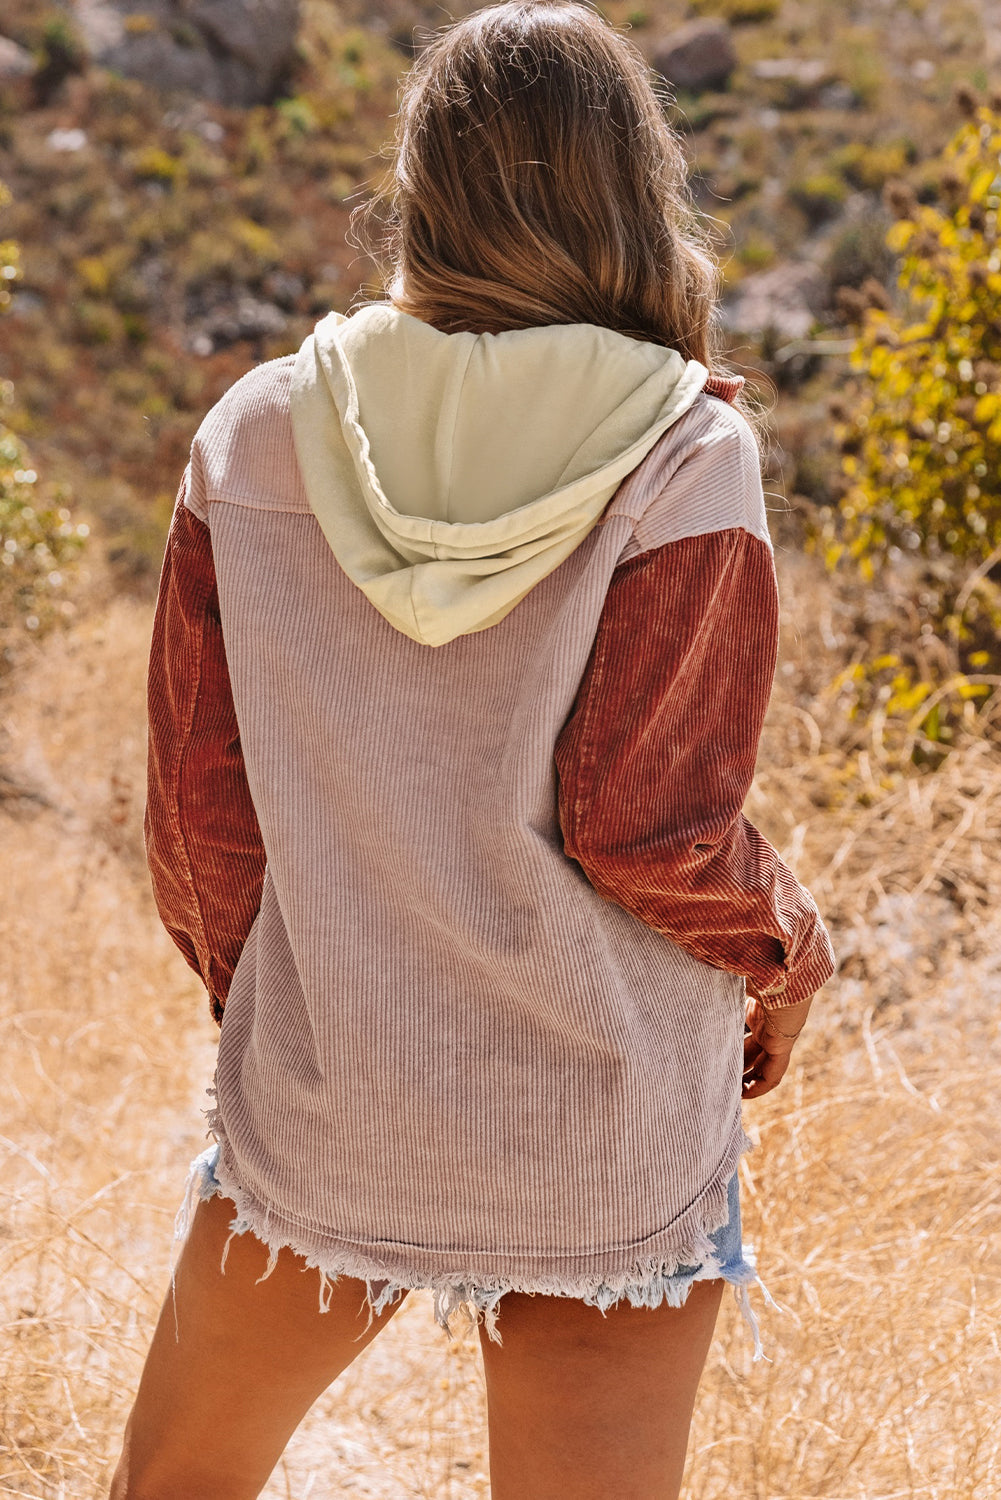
[450,473]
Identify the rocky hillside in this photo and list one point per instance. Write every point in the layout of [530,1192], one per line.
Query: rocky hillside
[183,174]
[225,50]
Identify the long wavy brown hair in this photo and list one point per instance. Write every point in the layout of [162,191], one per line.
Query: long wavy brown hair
[538,181]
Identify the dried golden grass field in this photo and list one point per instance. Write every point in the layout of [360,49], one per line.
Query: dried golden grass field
[873,1199]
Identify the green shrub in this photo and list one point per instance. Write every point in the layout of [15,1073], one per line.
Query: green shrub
[755,252]
[819,196]
[38,538]
[298,115]
[62,53]
[153,164]
[739,12]
[869,167]
[10,259]
[97,323]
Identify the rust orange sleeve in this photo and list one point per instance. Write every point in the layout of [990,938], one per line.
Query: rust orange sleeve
[203,842]
[658,755]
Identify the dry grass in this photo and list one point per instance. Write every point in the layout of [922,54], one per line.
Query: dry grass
[873,1200]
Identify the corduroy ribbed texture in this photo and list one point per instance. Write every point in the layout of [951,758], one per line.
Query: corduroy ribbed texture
[655,763]
[203,844]
[446,1058]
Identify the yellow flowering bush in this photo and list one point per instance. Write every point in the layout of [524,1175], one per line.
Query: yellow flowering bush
[922,452]
[920,515]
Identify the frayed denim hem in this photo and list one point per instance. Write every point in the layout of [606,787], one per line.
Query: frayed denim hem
[730,1261]
[727,1260]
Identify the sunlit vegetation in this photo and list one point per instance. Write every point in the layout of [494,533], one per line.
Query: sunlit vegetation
[921,458]
[39,539]
[923,443]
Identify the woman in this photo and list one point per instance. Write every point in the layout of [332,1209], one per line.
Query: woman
[464,639]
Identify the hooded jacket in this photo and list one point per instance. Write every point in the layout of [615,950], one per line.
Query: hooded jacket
[461,656]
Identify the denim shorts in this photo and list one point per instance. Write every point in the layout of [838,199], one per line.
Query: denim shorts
[730,1261]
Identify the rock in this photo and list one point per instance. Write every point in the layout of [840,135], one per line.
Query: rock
[786,299]
[231,51]
[235,316]
[284,289]
[798,81]
[100,24]
[807,71]
[66,140]
[837,96]
[698,56]
[23,303]
[15,61]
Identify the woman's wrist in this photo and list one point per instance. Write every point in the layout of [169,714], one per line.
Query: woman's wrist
[774,1030]
[786,1021]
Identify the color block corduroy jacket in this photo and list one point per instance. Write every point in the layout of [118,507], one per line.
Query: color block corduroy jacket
[477,917]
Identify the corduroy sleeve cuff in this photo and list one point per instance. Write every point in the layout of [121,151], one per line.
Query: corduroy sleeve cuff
[810,972]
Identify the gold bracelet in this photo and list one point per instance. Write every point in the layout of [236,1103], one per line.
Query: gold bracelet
[790,1036]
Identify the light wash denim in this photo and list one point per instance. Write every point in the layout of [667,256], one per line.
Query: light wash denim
[732,1262]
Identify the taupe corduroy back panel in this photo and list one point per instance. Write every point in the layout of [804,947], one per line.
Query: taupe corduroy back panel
[443,1054]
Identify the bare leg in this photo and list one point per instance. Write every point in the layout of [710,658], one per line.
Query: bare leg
[216,1407]
[593,1407]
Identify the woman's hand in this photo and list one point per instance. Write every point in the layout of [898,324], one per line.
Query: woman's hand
[769,1038]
